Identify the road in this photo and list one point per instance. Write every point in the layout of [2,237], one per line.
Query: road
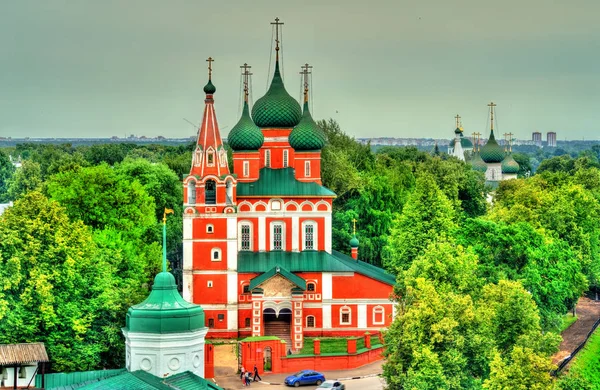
[372,383]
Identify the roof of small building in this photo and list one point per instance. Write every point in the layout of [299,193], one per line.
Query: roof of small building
[22,353]
[310,261]
[281,182]
[278,270]
[140,380]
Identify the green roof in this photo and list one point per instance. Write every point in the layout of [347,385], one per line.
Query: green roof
[354,242]
[74,380]
[464,142]
[277,109]
[309,261]
[140,380]
[491,152]
[281,182]
[245,135]
[278,270]
[509,165]
[307,135]
[164,311]
[209,88]
[477,163]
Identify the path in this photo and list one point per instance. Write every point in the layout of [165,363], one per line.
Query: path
[588,311]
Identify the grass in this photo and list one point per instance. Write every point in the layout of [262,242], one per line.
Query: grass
[328,345]
[567,320]
[587,362]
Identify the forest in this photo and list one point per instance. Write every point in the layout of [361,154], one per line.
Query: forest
[481,288]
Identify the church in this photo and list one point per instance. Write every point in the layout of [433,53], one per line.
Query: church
[257,239]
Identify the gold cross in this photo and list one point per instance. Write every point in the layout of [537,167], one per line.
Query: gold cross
[491,106]
[246,75]
[210,61]
[277,24]
[457,117]
[354,223]
[305,72]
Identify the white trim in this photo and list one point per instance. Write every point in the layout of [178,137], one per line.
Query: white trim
[276,139]
[262,233]
[210,228]
[327,283]
[306,168]
[307,202]
[361,315]
[191,185]
[378,310]
[295,233]
[272,202]
[267,158]
[254,214]
[322,202]
[370,301]
[246,169]
[326,316]
[346,310]
[214,272]
[219,253]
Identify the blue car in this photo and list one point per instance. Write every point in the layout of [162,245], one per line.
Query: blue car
[305,377]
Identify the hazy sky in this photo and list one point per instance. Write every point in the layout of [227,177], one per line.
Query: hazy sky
[381,68]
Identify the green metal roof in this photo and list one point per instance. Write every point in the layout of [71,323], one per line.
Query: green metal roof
[477,163]
[307,135]
[354,242]
[140,380]
[509,165]
[464,142]
[491,151]
[209,88]
[164,311]
[309,261]
[278,270]
[245,135]
[281,182]
[73,380]
[277,109]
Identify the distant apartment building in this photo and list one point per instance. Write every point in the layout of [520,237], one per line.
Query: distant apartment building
[551,139]
[536,137]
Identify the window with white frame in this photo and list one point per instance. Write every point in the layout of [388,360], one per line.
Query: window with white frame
[215,254]
[345,316]
[309,236]
[285,158]
[310,287]
[192,192]
[307,168]
[210,158]
[378,315]
[246,168]
[276,205]
[310,321]
[210,228]
[245,237]
[277,236]
[223,158]
[268,158]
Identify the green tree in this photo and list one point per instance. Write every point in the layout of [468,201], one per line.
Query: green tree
[25,179]
[6,173]
[523,369]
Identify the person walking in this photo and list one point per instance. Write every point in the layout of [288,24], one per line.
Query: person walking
[248,376]
[256,374]
[243,376]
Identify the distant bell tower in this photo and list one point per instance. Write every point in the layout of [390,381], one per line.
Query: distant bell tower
[210,225]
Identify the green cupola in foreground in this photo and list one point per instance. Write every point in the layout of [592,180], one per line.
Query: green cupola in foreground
[510,165]
[307,135]
[245,135]
[164,311]
[477,163]
[491,152]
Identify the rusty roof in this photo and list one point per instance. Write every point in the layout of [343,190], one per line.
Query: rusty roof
[22,353]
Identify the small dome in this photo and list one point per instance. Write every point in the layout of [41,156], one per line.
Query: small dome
[164,311]
[491,152]
[477,163]
[464,142]
[277,109]
[245,135]
[354,242]
[509,165]
[209,88]
[458,131]
[307,135]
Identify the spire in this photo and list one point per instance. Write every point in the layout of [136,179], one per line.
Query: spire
[210,157]
[491,106]
[277,23]
[354,241]
[306,135]
[305,72]
[457,117]
[164,260]
[245,135]
[491,151]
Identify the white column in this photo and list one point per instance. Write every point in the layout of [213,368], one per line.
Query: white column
[232,287]
[327,234]
[295,234]
[188,259]
[326,316]
[232,318]
[327,285]
[262,234]
[362,315]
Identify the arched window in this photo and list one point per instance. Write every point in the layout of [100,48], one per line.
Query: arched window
[245,235]
[223,157]
[309,236]
[345,316]
[246,289]
[247,322]
[210,228]
[210,192]
[285,158]
[215,254]
[229,191]
[307,168]
[210,158]
[246,168]
[211,322]
[310,287]
[191,192]
[310,321]
[378,315]
[277,236]
[268,158]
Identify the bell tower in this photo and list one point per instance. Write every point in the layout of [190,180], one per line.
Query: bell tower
[210,226]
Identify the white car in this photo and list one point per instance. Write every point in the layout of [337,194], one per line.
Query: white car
[333,385]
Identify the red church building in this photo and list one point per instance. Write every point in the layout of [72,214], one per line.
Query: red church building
[257,241]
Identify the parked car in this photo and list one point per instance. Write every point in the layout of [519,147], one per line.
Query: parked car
[305,377]
[333,385]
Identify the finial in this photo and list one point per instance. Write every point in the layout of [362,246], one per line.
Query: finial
[277,24]
[164,260]
[354,228]
[210,61]
[305,72]
[246,74]
[457,117]
[491,106]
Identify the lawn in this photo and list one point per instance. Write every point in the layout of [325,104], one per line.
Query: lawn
[587,361]
[328,345]
[567,320]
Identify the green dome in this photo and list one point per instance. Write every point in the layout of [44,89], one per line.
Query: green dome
[164,311]
[245,135]
[307,135]
[277,108]
[464,142]
[491,152]
[354,242]
[477,163]
[509,165]
[209,88]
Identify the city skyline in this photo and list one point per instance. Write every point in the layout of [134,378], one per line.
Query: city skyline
[394,70]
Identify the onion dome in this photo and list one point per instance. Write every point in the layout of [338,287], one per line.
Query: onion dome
[277,109]
[307,135]
[464,142]
[509,165]
[210,88]
[491,152]
[164,311]
[354,242]
[477,163]
[245,135]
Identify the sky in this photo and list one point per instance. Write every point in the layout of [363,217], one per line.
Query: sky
[380,68]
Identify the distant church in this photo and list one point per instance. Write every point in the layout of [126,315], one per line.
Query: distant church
[257,240]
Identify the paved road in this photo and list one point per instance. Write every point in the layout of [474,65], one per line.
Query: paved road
[373,383]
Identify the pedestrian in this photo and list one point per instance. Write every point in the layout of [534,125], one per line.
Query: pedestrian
[248,375]
[256,374]
[242,372]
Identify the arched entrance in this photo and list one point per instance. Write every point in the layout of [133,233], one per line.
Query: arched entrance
[210,192]
[267,359]
[278,324]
